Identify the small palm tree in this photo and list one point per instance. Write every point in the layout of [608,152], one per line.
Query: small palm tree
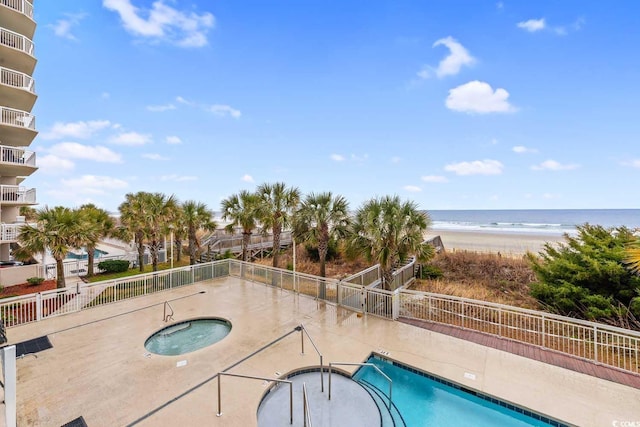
[321,218]
[632,258]
[196,216]
[100,226]
[277,204]
[388,231]
[159,213]
[240,210]
[132,213]
[58,230]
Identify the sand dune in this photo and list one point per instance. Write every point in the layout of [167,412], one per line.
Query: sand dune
[508,244]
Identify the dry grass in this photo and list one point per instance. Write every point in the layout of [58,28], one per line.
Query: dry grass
[485,277]
[338,268]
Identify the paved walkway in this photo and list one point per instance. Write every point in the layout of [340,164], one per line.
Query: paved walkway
[533,352]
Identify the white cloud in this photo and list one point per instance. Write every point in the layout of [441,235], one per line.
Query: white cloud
[247,178]
[163,23]
[550,196]
[360,159]
[62,27]
[154,156]
[178,178]
[494,141]
[452,63]
[396,159]
[633,163]
[173,140]
[521,149]
[500,5]
[412,188]
[93,184]
[479,97]
[552,165]
[160,108]
[532,25]
[105,95]
[224,111]
[54,165]
[75,150]
[476,167]
[78,130]
[434,178]
[130,138]
[337,158]
[181,100]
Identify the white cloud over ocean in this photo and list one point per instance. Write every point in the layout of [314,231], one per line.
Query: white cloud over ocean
[479,97]
[476,167]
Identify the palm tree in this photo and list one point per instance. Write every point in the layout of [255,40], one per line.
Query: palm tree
[196,216]
[57,229]
[632,258]
[388,231]
[159,213]
[132,213]
[321,218]
[240,209]
[101,225]
[277,204]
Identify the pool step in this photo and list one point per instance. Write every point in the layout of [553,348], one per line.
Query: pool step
[390,417]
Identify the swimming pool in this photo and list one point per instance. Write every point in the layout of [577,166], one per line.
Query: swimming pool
[96,253]
[185,337]
[424,400]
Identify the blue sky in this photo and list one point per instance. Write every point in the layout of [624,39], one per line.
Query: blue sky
[452,104]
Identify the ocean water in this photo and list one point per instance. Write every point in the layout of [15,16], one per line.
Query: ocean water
[535,221]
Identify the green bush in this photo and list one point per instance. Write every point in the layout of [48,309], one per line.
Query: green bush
[429,272]
[586,276]
[332,251]
[114,266]
[34,281]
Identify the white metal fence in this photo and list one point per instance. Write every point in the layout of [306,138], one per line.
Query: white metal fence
[16,41]
[607,345]
[22,6]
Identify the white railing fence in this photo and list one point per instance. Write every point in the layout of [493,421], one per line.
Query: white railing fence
[22,6]
[17,79]
[13,117]
[607,345]
[16,193]
[18,156]
[16,41]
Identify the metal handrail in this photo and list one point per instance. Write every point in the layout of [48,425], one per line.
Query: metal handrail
[165,316]
[303,329]
[305,407]
[251,377]
[331,364]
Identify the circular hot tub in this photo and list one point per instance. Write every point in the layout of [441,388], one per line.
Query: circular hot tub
[187,336]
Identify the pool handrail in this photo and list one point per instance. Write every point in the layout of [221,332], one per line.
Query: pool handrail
[165,316]
[253,377]
[331,364]
[305,407]
[303,331]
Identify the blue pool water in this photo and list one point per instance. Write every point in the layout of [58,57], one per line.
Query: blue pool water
[187,336]
[423,401]
[97,254]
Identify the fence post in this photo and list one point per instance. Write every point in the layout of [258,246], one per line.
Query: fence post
[9,371]
[395,305]
[38,306]
[544,332]
[595,343]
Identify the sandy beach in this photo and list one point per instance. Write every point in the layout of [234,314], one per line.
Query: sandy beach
[508,244]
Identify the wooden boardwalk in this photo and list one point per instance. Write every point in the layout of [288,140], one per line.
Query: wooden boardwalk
[532,352]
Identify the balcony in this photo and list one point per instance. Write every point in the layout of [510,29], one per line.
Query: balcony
[16,161]
[16,51]
[17,195]
[17,89]
[19,17]
[17,127]
[10,232]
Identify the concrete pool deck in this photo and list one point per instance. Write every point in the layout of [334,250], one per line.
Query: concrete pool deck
[99,369]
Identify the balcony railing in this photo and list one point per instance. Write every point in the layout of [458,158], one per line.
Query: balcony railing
[17,194]
[16,79]
[22,6]
[16,41]
[10,231]
[18,118]
[17,156]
